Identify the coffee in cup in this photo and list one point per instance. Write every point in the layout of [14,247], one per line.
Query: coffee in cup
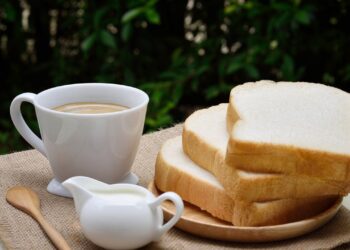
[90,108]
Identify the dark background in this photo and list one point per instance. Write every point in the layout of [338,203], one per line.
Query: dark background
[184,54]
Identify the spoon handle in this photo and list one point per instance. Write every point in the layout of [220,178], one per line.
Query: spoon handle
[55,236]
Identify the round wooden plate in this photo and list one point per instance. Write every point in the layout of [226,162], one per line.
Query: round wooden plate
[198,222]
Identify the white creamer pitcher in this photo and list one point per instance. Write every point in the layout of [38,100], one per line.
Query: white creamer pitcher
[120,216]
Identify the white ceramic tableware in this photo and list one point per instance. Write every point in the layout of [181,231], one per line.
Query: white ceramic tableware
[120,216]
[101,146]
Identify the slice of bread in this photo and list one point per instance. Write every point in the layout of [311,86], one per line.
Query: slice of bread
[291,128]
[176,172]
[205,141]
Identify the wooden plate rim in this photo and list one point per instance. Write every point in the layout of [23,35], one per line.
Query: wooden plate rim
[332,209]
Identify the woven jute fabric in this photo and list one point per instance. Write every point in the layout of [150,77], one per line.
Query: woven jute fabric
[30,168]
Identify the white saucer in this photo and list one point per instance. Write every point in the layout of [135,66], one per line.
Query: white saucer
[56,188]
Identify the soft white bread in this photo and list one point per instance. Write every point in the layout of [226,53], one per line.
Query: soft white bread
[292,128]
[205,141]
[176,172]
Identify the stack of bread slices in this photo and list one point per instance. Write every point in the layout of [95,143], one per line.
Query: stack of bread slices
[278,152]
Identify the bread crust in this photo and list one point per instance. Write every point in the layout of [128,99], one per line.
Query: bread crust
[274,158]
[193,190]
[265,187]
[214,199]
[279,211]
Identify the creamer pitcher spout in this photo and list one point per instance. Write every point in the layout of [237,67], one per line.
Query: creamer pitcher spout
[79,188]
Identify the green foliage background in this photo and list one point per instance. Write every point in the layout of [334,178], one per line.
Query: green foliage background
[184,54]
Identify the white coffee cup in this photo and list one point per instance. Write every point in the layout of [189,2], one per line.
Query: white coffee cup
[100,146]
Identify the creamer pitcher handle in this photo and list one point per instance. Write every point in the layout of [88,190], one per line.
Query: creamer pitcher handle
[179,205]
[21,125]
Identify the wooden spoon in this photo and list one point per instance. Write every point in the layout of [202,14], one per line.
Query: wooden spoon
[28,201]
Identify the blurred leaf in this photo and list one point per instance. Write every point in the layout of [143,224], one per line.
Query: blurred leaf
[126,32]
[176,54]
[152,122]
[10,12]
[328,78]
[98,16]
[297,2]
[178,91]
[248,5]
[278,21]
[3,138]
[132,14]
[302,16]
[212,92]
[234,66]
[202,69]
[156,97]
[108,39]
[164,120]
[177,58]
[151,3]
[152,16]
[87,44]
[346,72]
[281,6]
[169,75]
[159,121]
[222,67]
[195,84]
[252,71]
[273,57]
[230,9]
[129,77]
[288,67]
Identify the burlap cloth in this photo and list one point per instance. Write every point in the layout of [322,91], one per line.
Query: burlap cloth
[30,168]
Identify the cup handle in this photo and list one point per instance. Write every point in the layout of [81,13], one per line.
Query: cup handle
[21,125]
[179,205]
